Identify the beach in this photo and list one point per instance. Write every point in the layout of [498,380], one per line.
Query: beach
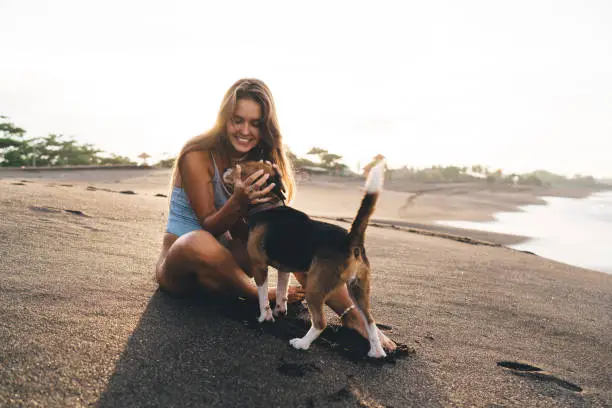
[483,325]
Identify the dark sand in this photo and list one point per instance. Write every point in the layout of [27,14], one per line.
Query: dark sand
[83,323]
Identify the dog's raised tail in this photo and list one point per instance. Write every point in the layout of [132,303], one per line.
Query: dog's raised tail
[373,187]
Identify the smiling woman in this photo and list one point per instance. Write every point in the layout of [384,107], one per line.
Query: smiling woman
[205,240]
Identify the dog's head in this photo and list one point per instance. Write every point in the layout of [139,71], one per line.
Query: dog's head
[250,167]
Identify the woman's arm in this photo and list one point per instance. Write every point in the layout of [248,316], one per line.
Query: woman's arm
[196,169]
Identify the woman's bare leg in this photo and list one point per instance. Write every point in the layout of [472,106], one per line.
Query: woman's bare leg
[339,300]
[197,258]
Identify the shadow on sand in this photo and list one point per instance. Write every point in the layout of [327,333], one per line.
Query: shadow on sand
[206,351]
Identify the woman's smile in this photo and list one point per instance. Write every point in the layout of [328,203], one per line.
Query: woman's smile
[243,127]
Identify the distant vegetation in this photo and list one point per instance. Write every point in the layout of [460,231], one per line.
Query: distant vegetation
[321,159]
[166,163]
[447,174]
[453,174]
[17,150]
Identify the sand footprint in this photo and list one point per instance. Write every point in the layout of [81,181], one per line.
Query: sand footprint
[289,369]
[353,392]
[93,188]
[57,210]
[524,369]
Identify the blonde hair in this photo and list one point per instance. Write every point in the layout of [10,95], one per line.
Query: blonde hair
[271,144]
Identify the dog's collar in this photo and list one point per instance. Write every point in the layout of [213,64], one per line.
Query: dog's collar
[264,206]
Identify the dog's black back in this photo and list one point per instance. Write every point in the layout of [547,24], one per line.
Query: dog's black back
[292,239]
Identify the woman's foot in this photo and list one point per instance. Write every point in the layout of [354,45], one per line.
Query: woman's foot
[353,320]
[294,294]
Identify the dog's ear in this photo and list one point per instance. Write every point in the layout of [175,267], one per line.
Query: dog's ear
[280,184]
[279,188]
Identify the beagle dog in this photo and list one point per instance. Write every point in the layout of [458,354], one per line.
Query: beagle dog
[331,256]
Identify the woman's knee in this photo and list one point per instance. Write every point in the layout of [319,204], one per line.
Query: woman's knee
[197,246]
[175,281]
[186,255]
[197,256]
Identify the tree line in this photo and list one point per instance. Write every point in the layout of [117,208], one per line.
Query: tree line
[454,174]
[17,150]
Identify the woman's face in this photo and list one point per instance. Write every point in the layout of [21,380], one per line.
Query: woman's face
[243,127]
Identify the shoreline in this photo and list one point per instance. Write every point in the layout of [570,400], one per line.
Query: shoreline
[539,226]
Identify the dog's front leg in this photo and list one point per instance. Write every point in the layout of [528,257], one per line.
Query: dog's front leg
[261,279]
[281,293]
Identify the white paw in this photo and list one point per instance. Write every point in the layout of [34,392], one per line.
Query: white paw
[377,353]
[280,309]
[299,344]
[266,316]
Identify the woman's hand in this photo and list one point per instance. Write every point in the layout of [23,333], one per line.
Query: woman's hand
[275,167]
[249,191]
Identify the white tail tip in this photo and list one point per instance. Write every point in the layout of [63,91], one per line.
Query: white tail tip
[376,177]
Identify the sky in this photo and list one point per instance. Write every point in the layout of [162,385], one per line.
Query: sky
[517,85]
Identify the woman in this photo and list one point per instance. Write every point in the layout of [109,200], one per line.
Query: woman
[204,243]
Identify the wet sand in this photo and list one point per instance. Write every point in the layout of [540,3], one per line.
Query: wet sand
[84,324]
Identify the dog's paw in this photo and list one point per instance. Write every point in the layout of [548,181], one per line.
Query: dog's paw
[299,344]
[266,316]
[377,352]
[280,309]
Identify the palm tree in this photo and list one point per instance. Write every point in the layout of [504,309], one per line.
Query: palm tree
[144,157]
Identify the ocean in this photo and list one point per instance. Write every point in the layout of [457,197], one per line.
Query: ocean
[573,231]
